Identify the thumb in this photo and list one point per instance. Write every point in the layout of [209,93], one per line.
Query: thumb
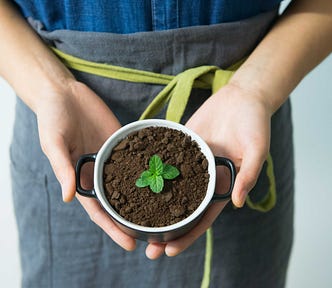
[247,177]
[58,154]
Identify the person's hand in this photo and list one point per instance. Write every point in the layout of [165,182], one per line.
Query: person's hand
[72,122]
[236,124]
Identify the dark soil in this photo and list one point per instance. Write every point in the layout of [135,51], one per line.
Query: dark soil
[180,196]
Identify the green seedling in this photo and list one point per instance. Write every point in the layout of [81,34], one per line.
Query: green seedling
[154,177]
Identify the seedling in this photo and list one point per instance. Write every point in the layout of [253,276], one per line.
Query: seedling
[154,177]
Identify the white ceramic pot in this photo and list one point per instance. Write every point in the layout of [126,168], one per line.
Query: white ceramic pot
[153,234]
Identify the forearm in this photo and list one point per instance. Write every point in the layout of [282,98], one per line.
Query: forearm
[25,61]
[298,42]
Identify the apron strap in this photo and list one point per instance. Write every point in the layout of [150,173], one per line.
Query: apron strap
[176,93]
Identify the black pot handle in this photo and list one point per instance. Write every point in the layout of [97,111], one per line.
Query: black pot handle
[80,162]
[230,165]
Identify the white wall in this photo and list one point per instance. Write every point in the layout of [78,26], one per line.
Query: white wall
[9,259]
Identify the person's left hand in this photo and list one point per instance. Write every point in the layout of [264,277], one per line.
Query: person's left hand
[235,124]
[73,120]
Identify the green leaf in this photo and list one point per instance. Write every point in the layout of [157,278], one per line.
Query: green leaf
[144,180]
[154,177]
[156,165]
[157,184]
[170,172]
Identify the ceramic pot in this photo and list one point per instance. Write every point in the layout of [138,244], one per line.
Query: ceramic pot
[153,234]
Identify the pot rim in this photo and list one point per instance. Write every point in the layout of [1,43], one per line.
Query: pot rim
[115,138]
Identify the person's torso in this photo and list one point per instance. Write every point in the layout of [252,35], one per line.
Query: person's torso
[128,16]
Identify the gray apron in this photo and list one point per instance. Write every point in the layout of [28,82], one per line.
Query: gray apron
[61,247]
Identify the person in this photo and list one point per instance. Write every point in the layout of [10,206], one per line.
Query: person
[62,113]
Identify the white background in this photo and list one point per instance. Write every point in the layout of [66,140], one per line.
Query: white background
[311,261]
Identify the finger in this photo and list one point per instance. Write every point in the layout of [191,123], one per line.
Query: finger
[58,154]
[177,246]
[247,177]
[155,250]
[99,217]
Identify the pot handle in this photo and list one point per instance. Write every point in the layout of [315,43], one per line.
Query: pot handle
[80,162]
[221,161]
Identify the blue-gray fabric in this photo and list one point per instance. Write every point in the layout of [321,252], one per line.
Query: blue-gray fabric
[129,16]
[60,247]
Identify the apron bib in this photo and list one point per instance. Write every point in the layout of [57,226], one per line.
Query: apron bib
[246,242]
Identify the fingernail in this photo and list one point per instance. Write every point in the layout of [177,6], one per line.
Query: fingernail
[64,192]
[240,200]
[243,198]
[170,251]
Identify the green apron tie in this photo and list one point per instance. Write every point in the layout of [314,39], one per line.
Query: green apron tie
[176,94]
[178,91]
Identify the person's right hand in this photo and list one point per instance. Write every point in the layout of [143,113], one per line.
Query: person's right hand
[72,119]
[72,122]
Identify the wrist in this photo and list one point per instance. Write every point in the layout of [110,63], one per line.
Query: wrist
[43,87]
[271,88]
[32,70]
[297,42]
[52,93]
[253,92]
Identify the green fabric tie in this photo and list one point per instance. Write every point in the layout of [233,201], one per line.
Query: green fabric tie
[178,91]
[176,94]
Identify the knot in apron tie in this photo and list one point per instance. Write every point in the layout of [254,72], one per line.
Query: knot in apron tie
[176,94]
